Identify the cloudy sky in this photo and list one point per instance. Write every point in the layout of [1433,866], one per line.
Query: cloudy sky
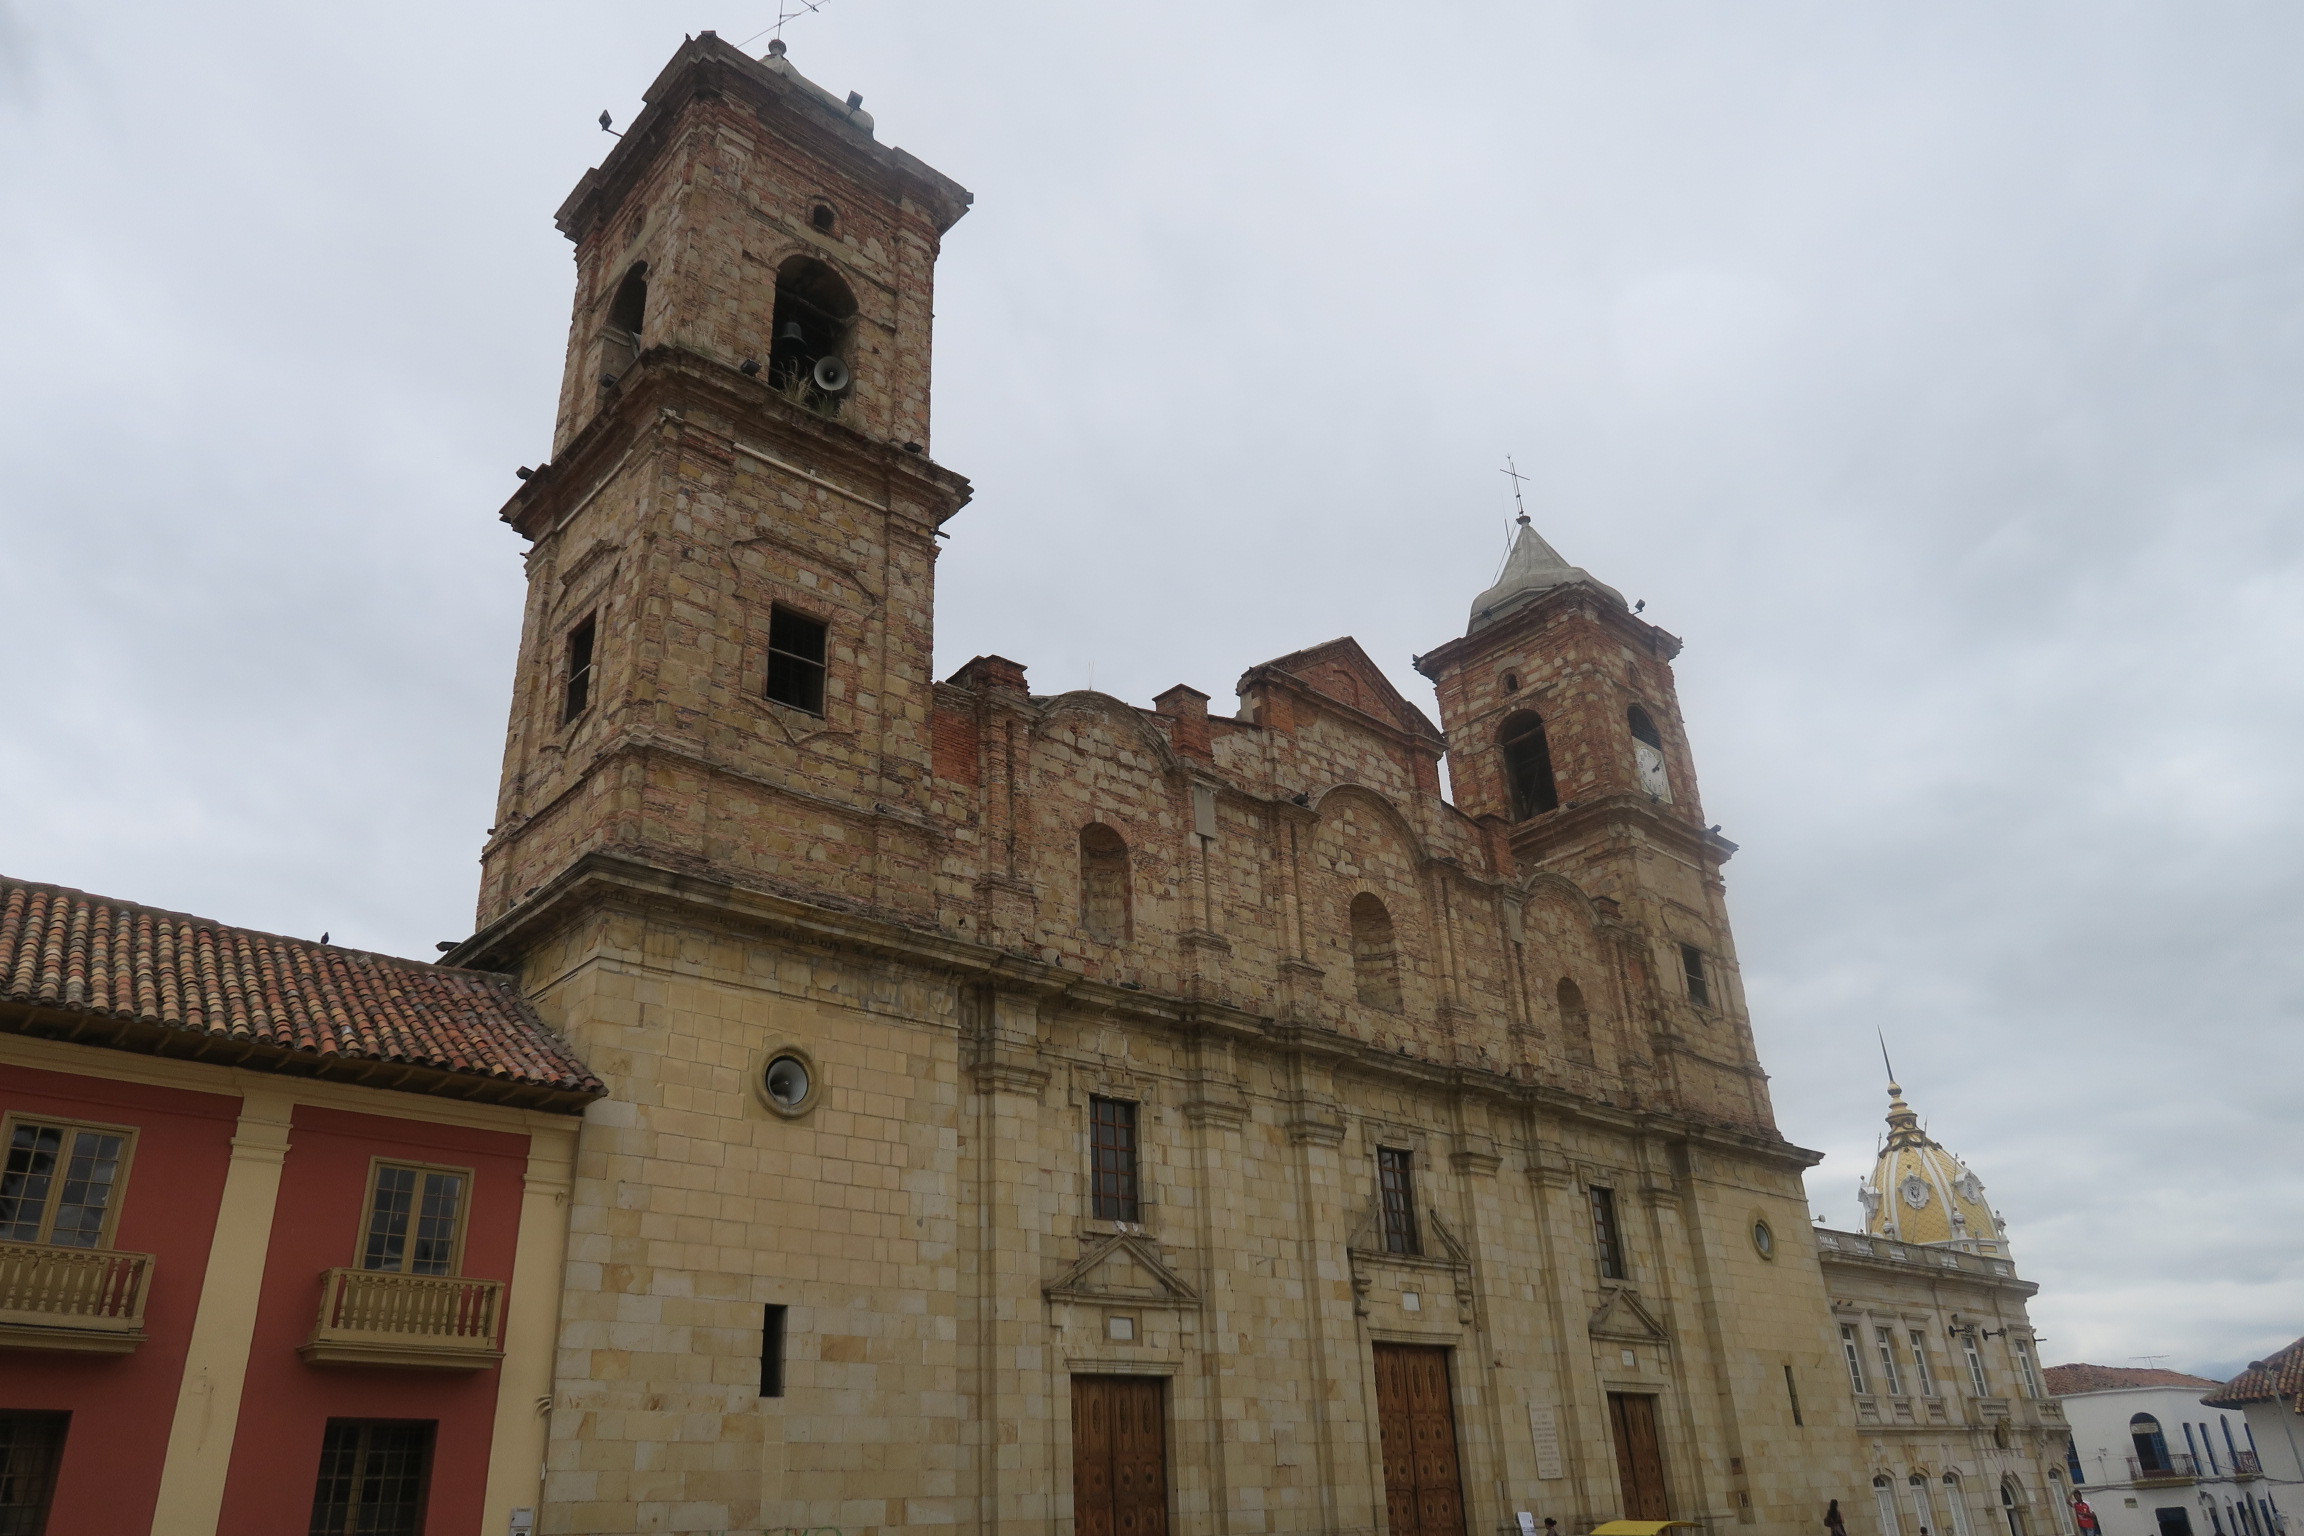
[1936,371]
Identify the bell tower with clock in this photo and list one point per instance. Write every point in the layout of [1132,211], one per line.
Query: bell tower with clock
[1565,738]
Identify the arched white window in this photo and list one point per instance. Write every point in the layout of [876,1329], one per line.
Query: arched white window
[1884,1494]
[2012,1505]
[1922,1512]
[1956,1504]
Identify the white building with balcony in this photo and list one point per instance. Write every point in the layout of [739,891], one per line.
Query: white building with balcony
[2151,1459]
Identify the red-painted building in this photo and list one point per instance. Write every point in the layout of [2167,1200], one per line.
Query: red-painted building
[281,1231]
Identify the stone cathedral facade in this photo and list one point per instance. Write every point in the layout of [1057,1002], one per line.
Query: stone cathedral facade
[1036,1113]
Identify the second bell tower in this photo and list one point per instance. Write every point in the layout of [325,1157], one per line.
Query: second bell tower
[1564,736]
[725,662]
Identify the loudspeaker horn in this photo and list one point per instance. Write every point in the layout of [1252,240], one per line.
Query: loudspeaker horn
[831,376]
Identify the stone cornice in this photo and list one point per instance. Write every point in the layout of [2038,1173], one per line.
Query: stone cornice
[1560,603]
[659,391]
[612,876]
[706,68]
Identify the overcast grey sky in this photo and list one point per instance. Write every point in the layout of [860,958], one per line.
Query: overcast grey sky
[1935,371]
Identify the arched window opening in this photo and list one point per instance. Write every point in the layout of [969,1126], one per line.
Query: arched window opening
[1103,884]
[2151,1444]
[823,218]
[1956,1503]
[2012,1504]
[627,316]
[1575,1022]
[1511,682]
[1527,766]
[1922,1510]
[809,335]
[1884,1495]
[1648,754]
[1375,954]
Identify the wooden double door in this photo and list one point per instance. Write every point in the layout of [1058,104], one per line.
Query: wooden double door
[1639,1455]
[1119,1456]
[1416,1412]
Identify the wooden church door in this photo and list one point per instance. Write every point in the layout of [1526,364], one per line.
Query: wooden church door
[1119,1456]
[1639,1457]
[1423,1492]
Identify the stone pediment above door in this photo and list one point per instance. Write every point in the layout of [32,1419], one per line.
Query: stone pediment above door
[1624,1317]
[1122,1267]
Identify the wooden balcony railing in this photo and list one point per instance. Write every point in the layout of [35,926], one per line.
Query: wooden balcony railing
[2175,1467]
[87,1299]
[433,1322]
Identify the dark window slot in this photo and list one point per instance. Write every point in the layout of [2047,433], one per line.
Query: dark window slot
[1396,1182]
[578,696]
[796,652]
[1112,1146]
[1606,1236]
[772,1350]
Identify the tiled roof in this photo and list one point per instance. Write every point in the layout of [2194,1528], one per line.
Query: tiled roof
[2066,1380]
[186,985]
[2275,1376]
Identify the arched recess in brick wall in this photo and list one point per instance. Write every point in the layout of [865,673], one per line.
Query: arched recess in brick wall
[1375,953]
[1091,760]
[1363,847]
[1575,1020]
[1105,893]
[1562,942]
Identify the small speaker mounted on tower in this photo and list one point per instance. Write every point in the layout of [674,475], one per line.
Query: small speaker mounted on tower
[831,376]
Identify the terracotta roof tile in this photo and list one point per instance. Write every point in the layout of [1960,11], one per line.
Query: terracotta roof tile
[2065,1380]
[2274,1376]
[66,950]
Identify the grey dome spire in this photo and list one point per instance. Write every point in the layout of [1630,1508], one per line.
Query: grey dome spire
[1533,567]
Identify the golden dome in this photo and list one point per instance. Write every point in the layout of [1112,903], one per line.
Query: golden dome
[1921,1194]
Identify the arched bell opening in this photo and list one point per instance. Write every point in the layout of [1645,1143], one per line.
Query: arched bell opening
[814,318]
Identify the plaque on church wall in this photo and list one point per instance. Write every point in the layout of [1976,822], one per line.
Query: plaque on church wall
[1544,1425]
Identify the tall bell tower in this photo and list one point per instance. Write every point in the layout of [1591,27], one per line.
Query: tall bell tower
[1565,738]
[724,664]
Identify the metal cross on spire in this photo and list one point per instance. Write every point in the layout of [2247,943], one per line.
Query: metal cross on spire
[1513,470]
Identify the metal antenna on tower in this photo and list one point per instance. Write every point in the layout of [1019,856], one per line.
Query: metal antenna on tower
[1884,1061]
[786,10]
[1513,470]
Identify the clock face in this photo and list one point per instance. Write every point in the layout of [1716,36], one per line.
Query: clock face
[1914,1189]
[1650,763]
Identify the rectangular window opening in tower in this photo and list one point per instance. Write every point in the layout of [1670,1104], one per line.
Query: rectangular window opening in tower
[796,659]
[1692,966]
[578,695]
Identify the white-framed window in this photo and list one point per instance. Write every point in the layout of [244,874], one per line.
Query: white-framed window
[1891,1380]
[2026,1370]
[1855,1354]
[1975,1359]
[1956,1501]
[1921,1508]
[1884,1495]
[1922,1374]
